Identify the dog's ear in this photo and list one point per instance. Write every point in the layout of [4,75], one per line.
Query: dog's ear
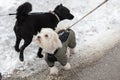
[58,8]
[56,41]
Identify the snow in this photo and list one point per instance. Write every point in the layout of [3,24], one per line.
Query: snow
[98,31]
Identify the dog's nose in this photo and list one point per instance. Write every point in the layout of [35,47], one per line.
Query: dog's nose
[72,16]
[38,37]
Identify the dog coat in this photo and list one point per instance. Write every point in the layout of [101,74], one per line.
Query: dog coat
[68,39]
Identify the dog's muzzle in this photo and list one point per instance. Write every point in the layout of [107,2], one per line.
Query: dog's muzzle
[38,39]
[71,16]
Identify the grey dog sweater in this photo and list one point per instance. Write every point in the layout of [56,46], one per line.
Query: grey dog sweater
[68,39]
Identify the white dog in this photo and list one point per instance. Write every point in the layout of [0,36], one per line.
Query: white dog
[56,45]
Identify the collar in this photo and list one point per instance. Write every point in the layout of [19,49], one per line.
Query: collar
[55,15]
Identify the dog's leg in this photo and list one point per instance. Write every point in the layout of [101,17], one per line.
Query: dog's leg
[67,66]
[26,43]
[39,53]
[72,50]
[18,39]
[53,70]
[68,52]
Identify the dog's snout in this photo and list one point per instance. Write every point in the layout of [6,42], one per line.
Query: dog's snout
[71,16]
[38,37]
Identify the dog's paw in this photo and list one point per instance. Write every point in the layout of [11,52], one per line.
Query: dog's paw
[72,51]
[17,49]
[21,58]
[40,56]
[67,66]
[54,71]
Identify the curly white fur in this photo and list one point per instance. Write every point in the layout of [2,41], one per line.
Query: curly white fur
[67,66]
[54,70]
[48,40]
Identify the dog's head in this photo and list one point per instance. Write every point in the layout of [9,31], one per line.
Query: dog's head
[63,12]
[48,39]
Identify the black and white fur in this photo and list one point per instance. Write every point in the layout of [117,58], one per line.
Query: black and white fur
[28,24]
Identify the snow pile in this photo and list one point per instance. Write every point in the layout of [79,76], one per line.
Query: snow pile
[98,31]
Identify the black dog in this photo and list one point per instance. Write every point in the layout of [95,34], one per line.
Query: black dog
[28,24]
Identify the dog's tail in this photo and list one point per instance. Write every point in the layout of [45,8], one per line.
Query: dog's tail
[23,10]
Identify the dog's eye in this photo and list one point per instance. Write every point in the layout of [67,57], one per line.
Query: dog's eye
[46,35]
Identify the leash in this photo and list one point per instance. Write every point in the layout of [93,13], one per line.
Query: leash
[38,13]
[12,14]
[79,19]
[88,13]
